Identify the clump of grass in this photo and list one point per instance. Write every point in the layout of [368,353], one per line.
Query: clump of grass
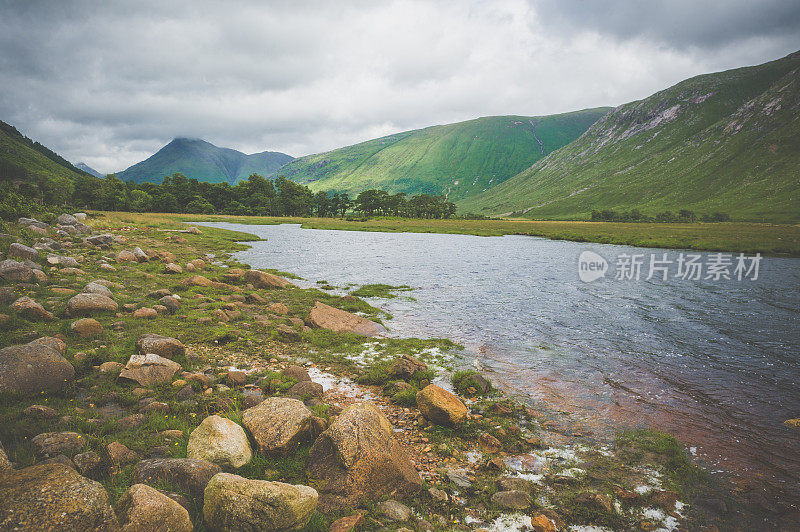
[464,381]
[385,291]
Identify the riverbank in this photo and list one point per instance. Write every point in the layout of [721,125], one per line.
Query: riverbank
[750,238]
[243,340]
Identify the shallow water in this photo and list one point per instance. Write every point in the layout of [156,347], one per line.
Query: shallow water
[714,362]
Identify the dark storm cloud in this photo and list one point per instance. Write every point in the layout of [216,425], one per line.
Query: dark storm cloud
[110,82]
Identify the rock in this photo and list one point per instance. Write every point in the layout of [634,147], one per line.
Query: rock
[87,304]
[542,523]
[221,441]
[30,309]
[80,216]
[140,255]
[233,275]
[163,346]
[196,280]
[440,406]
[489,443]
[40,412]
[394,510]
[476,382]
[111,367]
[404,367]
[513,484]
[286,333]
[103,240]
[172,268]
[459,479]
[32,222]
[358,458]
[145,313]
[126,256]
[142,509]
[438,495]
[255,299]
[22,251]
[5,463]
[157,294]
[187,474]
[89,464]
[323,316]
[149,369]
[35,367]
[172,304]
[120,454]
[97,288]
[512,500]
[53,497]
[297,373]
[53,443]
[347,524]
[261,279]
[193,230]
[11,270]
[306,389]
[155,406]
[66,219]
[279,308]
[86,327]
[130,422]
[278,424]
[237,377]
[253,397]
[234,503]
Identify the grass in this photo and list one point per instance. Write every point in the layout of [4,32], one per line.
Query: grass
[385,291]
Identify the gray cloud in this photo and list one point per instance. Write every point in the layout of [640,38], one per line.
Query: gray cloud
[111,82]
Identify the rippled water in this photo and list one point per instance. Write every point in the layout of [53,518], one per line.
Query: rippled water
[715,363]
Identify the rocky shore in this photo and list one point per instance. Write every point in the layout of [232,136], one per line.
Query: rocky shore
[149,382]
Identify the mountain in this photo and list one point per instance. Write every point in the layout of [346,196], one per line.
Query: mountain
[38,171]
[457,160]
[201,160]
[724,142]
[89,170]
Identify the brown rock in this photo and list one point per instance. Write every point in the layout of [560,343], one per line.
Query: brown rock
[298,373]
[53,443]
[172,304]
[196,280]
[324,316]
[512,500]
[87,327]
[261,279]
[40,412]
[278,424]
[233,275]
[143,509]
[30,309]
[404,367]
[145,312]
[489,443]
[542,523]
[88,304]
[162,346]
[186,474]
[120,454]
[35,367]
[111,367]
[440,406]
[237,377]
[89,464]
[173,268]
[306,388]
[347,524]
[149,369]
[279,308]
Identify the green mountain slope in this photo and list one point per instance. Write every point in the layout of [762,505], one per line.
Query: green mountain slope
[203,161]
[457,160]
[727,142]
[36,170]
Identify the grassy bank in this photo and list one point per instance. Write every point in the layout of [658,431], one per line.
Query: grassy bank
[731,237]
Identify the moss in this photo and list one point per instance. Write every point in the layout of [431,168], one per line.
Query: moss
[385,291]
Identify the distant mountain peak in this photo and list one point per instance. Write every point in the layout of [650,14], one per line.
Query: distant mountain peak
[88,169]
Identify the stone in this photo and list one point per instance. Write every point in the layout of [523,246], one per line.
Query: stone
[514,484]
[279,308]
[196,280]
[187,474]
[111,367]
[489,444]
[440,406]
[86,328]
[278,424]
[140,255]
[358,458]
[286,333]
[476,382]
[54,443]
[155,406]
[173,434]
[5,463]
[394,510]
[37,366]
[89,464]
[11,270]
[172,268]
[405,367]
[234,503]
[193,230]
[31,310]
[149,369]
[221,441]
[236,377]
[306,389]
[40,412]
[459,479]
[145,313]
[66,219]
[512,500]
[163,346]
[120,454]
[88,304]
[22,251]
[298,373]
[126,256]
[32,222]
[130,422]
[347,524]
[53,497]
[156,294]
[252,398]
[142,509]
[97,288]
[323,316]
[438,495]
[199,264]
[103,240]
[261,279]
[233,275]
[542,523]
[80,216]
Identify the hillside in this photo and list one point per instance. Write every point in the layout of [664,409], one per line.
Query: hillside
[457,160]
[203,161]
[727,142]
[39,172]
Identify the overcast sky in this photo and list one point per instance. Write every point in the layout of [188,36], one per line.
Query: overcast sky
[110,82]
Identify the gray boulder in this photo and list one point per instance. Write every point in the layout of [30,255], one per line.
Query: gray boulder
[35,367]
[11,270]
[221,441]
[149,369]
[66,219]
[142,508]
[22,251]
[278,424]
[87,304]
[187,474]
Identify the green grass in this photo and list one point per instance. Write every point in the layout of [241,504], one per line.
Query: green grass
[385,291]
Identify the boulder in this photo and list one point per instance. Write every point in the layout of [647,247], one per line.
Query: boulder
[96,288]
[163,346]
[103,240]
[142,509]
[126,256]
[53,497]
[22,251]
[234,503]
[54,443]
[358,458]
[261,279]
[306,389]
[111,367]
[298,373]
[489,444]
[149,369]
[394,510]
[171,267]
[140,255]
[279,308]
[66,219]
[30,309]
[440,406]
[120,454]
[405,367]
[87,327]
[80,216]
[512,500]
[88,304]
[145,313]
[237,377]
[89,464]
[35,367]
[40,412]
[221,441]
[233,275]
[196,280]
[278,424]
[323,316]
[32,222]
[199,264]
[11,270]
[172,304]
[187,474]
[348,524]
[474,384]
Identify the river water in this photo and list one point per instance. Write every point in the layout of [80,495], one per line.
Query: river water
[715,362]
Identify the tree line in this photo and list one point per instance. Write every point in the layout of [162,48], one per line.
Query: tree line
[682,216]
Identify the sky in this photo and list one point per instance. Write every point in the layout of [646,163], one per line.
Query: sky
[110,82]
